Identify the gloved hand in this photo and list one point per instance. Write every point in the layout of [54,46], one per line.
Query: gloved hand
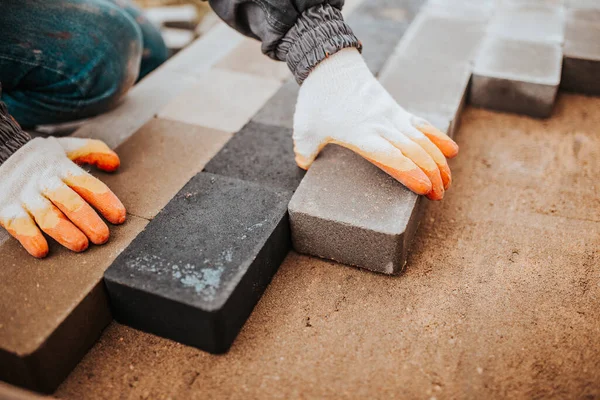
[41,188]
[341,102]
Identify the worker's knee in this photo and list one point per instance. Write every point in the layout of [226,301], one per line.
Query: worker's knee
[67,59]
[111,61]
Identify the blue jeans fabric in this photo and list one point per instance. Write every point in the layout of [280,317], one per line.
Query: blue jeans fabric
[62,60]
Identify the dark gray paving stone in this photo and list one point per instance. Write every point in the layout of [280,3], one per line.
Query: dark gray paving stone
[279,109]
[259,153]
[197,271]
[581,63]
[518,77]
[379,38]
[350,211]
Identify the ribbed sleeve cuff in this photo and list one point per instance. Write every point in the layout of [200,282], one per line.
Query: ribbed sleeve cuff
[12,137]
[319,32]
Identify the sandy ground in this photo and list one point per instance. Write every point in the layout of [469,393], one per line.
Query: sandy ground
[500,299]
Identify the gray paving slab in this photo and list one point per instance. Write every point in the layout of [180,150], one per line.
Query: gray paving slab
[581,62]
[528,22]
[196,272]
[279,109]
[515,76]
[348,210]
[427,86]
[378,24]
[259,153]
[587,4]
[449,38]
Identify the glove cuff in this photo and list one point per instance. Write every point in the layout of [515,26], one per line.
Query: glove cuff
[12,137]
[318,33]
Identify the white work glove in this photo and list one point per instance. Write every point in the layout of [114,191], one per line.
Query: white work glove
[342,102]
[41,188]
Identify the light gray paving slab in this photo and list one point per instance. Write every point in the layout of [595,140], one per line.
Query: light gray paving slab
[479,9]
[205,52]
[139,106]
[588,4]
[452,39]
[222,99]
[527,22]
[515,76]
[425,86]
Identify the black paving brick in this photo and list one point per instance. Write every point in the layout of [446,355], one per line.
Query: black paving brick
[198,269]
[259,153]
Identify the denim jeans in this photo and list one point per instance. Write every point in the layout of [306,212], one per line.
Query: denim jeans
[62,60]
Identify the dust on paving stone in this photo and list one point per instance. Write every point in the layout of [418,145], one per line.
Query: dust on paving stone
[205,279]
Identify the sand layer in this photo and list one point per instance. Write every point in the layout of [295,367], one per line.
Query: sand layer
[501,296]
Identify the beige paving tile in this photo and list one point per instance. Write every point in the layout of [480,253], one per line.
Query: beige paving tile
[53,310]
[223,100]
[138,107]
[206,51]
[248,57]
[158,160]
[8,392]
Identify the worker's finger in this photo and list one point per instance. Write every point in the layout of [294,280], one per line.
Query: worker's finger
[78,211]
[434,152]
[384,155]
[54,223]
[420,157]
[448,146]
[21,226]
[97,194]
[91,151]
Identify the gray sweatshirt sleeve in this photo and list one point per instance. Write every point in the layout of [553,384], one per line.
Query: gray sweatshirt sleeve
[299,32]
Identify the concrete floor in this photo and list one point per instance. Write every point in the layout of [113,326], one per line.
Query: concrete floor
[500,298]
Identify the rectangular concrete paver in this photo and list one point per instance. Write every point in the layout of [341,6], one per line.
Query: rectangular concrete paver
[279,109]
[196,272]
[449,38]
[528,22]
[158,160]
[142,103]
[53,310]
[581,64]
[516,76]
[348,210]
[205,52]
[427,87]
[248,57]
[262,154]
[223,100]
[378,24]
